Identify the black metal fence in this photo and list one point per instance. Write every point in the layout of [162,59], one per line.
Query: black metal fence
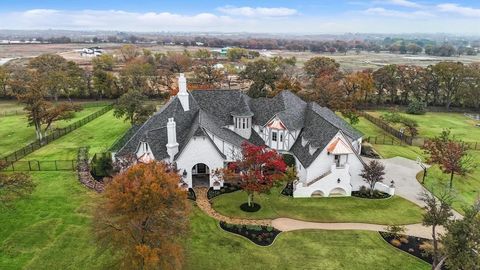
[22,152]
[41,165]
[122,140]
[386,140]
[385,126]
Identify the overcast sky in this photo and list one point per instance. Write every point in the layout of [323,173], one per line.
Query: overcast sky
[280,16]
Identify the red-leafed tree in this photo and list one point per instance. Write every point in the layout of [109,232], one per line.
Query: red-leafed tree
[256,171]
[449,154]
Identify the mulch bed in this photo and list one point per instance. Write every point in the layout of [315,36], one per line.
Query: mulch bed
[366,195]
[227,188]
[288,190]
[260,235]
[412,247]
[246,208]
[191,194]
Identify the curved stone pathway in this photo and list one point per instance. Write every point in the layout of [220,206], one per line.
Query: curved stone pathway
[288,224]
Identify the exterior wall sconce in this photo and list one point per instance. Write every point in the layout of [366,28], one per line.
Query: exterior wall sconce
[184,174]
[338,181]
[392,184]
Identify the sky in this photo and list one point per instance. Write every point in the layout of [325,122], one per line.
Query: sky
[261,16]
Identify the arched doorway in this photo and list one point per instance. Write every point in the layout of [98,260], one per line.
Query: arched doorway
[336,192]
[318,193]
[200,175]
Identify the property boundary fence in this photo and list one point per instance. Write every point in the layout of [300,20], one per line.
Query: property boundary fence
[41,165]
[385,126]
[122,140]
[385,140]
[37,144]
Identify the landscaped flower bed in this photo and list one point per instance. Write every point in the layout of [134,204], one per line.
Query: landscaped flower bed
[365,193]
[410,244]
[260,235]
[227,188]
[191,194]
[288,190]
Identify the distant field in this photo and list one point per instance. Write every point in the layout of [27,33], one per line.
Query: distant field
[350,61]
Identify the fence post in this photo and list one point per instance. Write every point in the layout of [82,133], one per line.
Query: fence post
[29,165]
[13,168]
[38,165]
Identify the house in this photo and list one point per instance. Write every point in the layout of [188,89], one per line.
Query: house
[201,131]
[91,52]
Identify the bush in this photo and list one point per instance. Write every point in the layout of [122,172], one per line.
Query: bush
[101,164]
[396,242]
[395,231]
[417,107]
[289,160]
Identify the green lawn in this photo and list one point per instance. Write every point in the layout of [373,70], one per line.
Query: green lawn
[99,134]
[395,210]
[432,123]
[51,229]
[16,133]
[387,151]
[208,247]
[466,188]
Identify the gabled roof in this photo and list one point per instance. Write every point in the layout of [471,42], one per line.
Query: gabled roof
[211,112]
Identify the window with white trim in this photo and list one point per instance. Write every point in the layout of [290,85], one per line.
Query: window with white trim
[274,136]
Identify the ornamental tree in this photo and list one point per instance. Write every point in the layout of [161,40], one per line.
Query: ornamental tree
[256,171]
[449,154]
[373,173]
[14,186]
[143,215]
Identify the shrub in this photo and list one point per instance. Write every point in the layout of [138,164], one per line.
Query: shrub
[417,107]
[395,231]
[289,160]
[101,164]
[404,240]
[396,242]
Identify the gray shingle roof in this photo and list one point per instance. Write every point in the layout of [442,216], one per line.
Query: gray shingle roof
[211,111]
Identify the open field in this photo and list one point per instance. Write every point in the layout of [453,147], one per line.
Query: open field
[350,61]
[99,135]
[395,210]
[16,133]
[52,230]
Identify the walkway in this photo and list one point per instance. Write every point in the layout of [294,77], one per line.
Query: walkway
[288,224]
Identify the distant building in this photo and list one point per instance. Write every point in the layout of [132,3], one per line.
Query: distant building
[91,52]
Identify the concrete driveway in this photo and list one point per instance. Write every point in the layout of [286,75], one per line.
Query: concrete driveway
[403,172]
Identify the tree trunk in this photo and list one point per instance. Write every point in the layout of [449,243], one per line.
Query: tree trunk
[435,248]
[250,199]
[372,188]
[451,179]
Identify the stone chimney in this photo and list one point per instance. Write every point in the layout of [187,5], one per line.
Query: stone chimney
[182,92]
[172,145]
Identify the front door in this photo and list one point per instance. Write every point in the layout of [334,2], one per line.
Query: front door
[200,175]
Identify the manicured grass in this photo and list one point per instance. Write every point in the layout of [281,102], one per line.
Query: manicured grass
[99,134]
[432,123]
[385,150]
[10,106]
[52,228]
[16,133]
[395,210]
[466,188]
[209,247]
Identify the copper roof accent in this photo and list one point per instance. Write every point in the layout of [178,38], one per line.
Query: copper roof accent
[338,147]
[276,124]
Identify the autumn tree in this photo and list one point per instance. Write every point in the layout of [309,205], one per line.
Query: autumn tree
[256,170]
[462,240]
[451,155]
[263,74]
[143,216]
[131,107]
[450,76]
[207,74]
[373,173]
[4,78]
[13,187]
[104,80]
[437,212]
[319,66]
[386,81]
[470,91]
[359,86]
[129,52]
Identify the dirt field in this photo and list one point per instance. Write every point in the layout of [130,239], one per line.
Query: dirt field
[350,61]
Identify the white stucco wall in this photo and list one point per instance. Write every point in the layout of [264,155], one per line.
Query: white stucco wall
[199,150]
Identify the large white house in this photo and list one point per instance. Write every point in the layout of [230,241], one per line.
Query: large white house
[201,131]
